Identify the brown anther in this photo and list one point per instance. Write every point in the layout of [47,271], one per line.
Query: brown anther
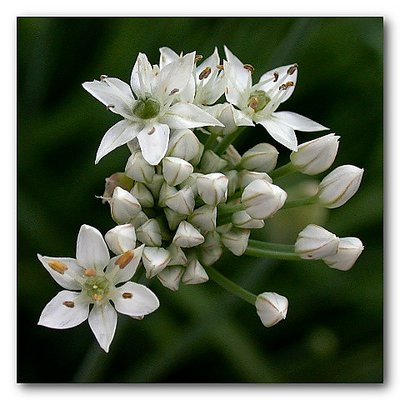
[220,67]
[173,91]
[284,86]
[69,304]
[198,57]
[57,266]
[249,67]
[205,73]
[110,106]
[123,260]
[253,103]
[127,295]
[97,297]
[102,77]
[292,69]
[151,131]
[90,272]
[276,77]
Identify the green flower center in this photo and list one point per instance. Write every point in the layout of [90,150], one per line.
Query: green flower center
[146,109]
[97,287]
[258,100]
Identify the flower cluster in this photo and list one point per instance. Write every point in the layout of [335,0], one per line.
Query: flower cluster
[186,194]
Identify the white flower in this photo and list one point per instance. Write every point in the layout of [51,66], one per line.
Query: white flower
[92,279]
[150,106]
[271,308]
[259,102]
[349,250]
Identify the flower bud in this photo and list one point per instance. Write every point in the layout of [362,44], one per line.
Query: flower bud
[143,195]
[191,182]
[196,159]
[316,156]
[118,179]
[243,220]
[210,162]
[123,206]
[155,259]
[149,233]
[170,277]
[138,168]
[195,273]
[211,250]
[246,177]
[166,192]
[232,156]
[236,240]
[176,170]
[233,181]
[155,185]
[178,257]
[182,201]
[187,236]
[139,219]
[260,158]
[315,242]
[184,144]
[349,250]
[339,186]
[121,238]
[213,188]
[173,218]
[271,308]
[262,199]
[204,217]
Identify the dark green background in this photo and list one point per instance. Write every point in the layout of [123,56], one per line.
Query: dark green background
[334,328]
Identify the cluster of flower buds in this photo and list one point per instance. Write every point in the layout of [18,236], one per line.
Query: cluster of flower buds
[186,194]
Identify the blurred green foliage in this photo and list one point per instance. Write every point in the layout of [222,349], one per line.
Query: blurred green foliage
[334,329]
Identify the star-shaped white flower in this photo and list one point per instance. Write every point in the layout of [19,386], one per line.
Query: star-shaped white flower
[258,103]
[92,279]
[151,106]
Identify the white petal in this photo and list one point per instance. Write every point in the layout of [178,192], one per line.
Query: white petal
[153,142]
[236,71]
[58,315]
[134,299]
[122,132]
[141,77]
[103,321]
[185,115]
[282,133]
[167,55]
[298,122]
[115,94]
[91,249]
[63,278]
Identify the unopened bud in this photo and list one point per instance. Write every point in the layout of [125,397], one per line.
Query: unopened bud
[339,186]
[155,259]
[155,185]
[184,144]
[123,206]
[121,238]
[243,220]
[191,182]
[176,170]
[262,199]
[166,192]
[170,277]
[143,195]
[260,158]
[194,273]
[233,181]
[210,162]
[315,242]
[182,201]
[196,159]
[138,168]
[316,156]
[149,233]
[349,250]
[213,188]
[139,219]
[178,257]
[271,308]
[211,250]
[232,156]
[187,236]
[236,240]
[204,217]
[246,177]
[173,218]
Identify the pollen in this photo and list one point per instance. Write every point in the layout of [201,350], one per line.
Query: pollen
[127,295]
[90,272]
[69,304]
[205,73]
[123,260]
[57,266]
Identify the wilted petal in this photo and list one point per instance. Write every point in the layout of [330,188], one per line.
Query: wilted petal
[298,122]
[153,141]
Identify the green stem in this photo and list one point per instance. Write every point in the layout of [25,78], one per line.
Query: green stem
[227,140]
[301,202]
[230,286]
[226,209]
[282,171]
[211,141]
[257,248]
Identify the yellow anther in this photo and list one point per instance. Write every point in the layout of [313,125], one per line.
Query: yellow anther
[284,86]
[220,67]
[205,73]
[292,69]
[90,272]
[127,295]
[197,58]
[123,260]
[249,67]
[69,304]
[57,266]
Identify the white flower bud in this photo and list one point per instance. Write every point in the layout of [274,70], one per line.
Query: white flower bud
[196,159]
[139,219]
[121,238]
[246,177]
[178,257]
[225,113]
[211,250]
[233,181]
[271,308]
[195,273]
[123,206]
[155,185]
[210,162]
[213,188]
[316,156]
[236,240]
[243,220]
[143,195]
[262,199]
[170,277]
[339,186]
[204,217]
[176,170]
[173,218]
[349,250]
[315,242]
[155,259]
[260,158]
[138,168]
[187,236]
[191,182]
[221,229]
[232,156]
[166,192]
[184,144]
[182,201]
[117,179]
[149,233]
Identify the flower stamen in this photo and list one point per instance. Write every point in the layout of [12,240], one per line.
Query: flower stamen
[292,69]
[286,85]
[249,67]
[69,304]
[90,272]
[58,266]
[123,260]
[127,295]
[205,73]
